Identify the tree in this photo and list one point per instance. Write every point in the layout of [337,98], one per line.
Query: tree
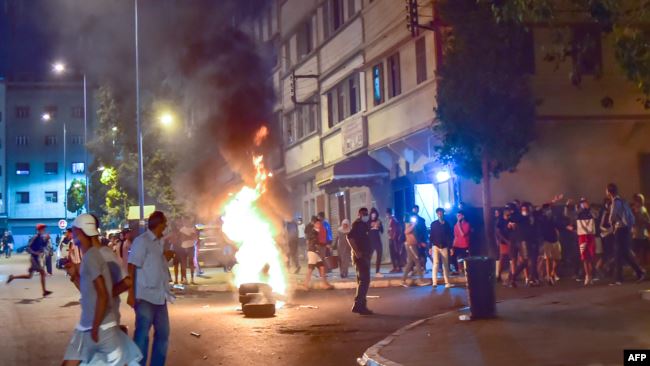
[76,196]
[627,21]
[485,109]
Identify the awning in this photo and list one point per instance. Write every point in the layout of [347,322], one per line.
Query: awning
[360,170]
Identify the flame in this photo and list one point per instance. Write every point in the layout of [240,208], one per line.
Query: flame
[258,257]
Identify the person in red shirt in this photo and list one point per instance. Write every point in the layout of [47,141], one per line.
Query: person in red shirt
[462,231]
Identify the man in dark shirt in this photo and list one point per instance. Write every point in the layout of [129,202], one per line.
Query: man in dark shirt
[36,248]
[361,253]
[441,238]
[549,230]
[420,234]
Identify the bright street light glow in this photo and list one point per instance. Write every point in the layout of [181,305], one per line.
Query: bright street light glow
[58,67]
[46,117]
[447,205]
[77,185]
[442,176]
[166,119]
[114,128]
[101,168]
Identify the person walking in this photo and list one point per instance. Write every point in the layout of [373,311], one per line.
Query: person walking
[7,243]
[148,265]
[395,246]
[586,230]
[441,237]
[302,241]
[125,248]
[604,265]
[97,339]
[187,237]
[376,229]
[48,253]
[292,240]
[504,239]
[460,248]
[621,218]
[640,241]
[343,248]
[361,253]
[413,262]
[551,248]
[316,253]
[36,249]
[420,232]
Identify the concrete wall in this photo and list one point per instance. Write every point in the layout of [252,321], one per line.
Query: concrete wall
[577,158]
[302,155]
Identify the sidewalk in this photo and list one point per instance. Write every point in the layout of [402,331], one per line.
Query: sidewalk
[588,326]
[215,280]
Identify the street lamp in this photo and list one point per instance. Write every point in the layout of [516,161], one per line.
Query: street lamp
[46,117]
[138,122]
[59,68]
[166,119]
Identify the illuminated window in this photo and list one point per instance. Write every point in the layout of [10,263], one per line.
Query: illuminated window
[51,168]
[378,83]
[22,168]
[78,168]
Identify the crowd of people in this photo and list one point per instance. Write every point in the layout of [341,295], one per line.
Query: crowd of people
[102,268]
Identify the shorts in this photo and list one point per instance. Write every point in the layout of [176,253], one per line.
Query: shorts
[35,264]
[461,253]
[504,249]
[314,260]
[114,348]
[552,251]
[519,249]
[587,245]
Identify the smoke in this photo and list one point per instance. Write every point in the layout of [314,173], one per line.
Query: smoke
[191,53]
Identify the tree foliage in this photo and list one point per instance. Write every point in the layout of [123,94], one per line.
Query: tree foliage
[485,108]
[627,21]
[76,196]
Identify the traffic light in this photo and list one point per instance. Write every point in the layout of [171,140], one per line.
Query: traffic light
[412,22]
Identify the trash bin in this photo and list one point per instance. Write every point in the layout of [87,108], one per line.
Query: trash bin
[481,282]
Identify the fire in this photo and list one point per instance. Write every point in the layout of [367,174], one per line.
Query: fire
[258,257]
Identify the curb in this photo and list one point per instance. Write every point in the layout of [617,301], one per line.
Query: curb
[371,356]
[348,285]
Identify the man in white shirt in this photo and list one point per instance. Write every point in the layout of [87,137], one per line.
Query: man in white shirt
[148,264]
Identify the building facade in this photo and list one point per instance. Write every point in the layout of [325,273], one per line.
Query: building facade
[40,165]
[356,94]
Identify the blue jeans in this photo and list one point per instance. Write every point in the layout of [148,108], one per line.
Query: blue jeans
[146,315]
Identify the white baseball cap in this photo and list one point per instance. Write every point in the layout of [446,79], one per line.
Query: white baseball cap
[87,223]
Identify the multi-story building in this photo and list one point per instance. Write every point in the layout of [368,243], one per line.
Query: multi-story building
[356,100]
[37,173]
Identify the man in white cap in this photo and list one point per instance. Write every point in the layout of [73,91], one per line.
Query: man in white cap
[97,338]
[149,266]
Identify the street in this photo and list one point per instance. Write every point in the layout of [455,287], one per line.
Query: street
[328,335]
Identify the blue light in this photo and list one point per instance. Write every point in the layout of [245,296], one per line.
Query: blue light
[442,176]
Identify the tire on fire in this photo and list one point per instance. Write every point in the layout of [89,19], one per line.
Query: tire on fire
[250,298]
[251,288]
[259,310]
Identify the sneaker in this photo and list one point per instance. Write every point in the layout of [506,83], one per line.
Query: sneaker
[617,283]
[10,278]
[404,284]
[448,285]
[364,311]
[379,275]
[556,278]
[47,293]
[588,281]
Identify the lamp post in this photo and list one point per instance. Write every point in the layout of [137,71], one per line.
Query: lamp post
[46,117]
[60,68]
[138,122]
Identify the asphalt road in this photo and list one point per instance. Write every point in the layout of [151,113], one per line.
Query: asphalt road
[35,331]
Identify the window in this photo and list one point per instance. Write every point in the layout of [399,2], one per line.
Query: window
[51,110]
[394,82]
[287,57]
[77,112]
[78,168]
[22,112]
[587,49]
[378,84]
[22,168]
[351,8]
[22,140]
[50,140]
[51,168]
[420,60]
[301,122]
[52,197]
[22,197]
[304,39]
[337,14]
[77,140]
[343,100]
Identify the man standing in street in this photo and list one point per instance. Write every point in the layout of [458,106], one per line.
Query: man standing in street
[394,245]
[36,248]
[302,242]
[292,240]
[621,219]
[460,248]
[420,232]
[7,244]
[361,252]
[148,264]
[441,238]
